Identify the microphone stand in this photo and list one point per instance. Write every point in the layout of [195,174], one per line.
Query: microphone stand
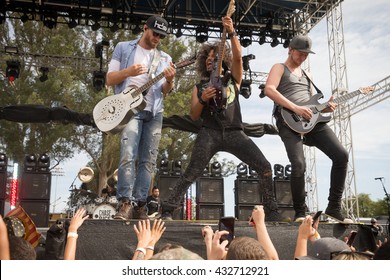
[387,199]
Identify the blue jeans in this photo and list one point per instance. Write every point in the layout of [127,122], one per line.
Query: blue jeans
[138,154]
[324,139]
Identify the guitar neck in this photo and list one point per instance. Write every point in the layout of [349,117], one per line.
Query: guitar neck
[221,53]
[148,84]
[339,100]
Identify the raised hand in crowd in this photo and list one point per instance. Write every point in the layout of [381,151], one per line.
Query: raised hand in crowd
[4,243]
[157,231]
[306,231]
[258,221]
[207,233]
[71,240]
[218,249]
[147,238]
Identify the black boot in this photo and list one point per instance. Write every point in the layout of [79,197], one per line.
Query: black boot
[125,210]
[269,202]
[139,211]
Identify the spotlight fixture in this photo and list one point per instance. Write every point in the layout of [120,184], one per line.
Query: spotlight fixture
[176,167]
[30,163]
[164,167]
[245,61]
[245,40]
[179,33]
[49,21]
[242,170]
[253,173]
[95,26]
[216,169]
[261,39]
[245,88]
[261,88]
[72,23]
[3,162]
[287,172]
[274,42]
[43,162]
[279,171]
[12,70]
[286,43]
[201,34]
[99,80]
[44,77]
[206,171]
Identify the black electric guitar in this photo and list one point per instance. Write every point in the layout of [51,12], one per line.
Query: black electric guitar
[303,126]
[113,112]
[218,81]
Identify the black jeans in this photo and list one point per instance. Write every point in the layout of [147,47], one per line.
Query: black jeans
[207,144]
[324,139]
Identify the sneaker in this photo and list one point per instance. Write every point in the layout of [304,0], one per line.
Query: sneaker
[139,213]
[125,211]
[336,215]
[299,217]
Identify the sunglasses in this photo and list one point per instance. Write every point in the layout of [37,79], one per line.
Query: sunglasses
[155,34]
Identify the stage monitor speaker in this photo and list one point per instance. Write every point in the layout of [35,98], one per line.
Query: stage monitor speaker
[35,186]
[209,211]
[283,192]
[38,210]
[248,191]
[2,205]
[165,185]
[243,212]
[210,190]
[286,212]
[3,184]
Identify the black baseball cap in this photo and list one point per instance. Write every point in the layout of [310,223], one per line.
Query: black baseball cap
[158,25]
[301,43]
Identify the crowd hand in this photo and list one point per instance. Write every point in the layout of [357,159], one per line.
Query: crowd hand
[218,250]
[157,231]
[331,106]
[207,233]
[170,72]
[137,69]
[4,243]
[304,112]
[143,232]
[228,24]
[258,216]
[306,229]
[208,93]
[77,220]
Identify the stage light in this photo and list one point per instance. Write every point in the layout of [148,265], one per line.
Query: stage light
[44,76]
[245,88]
[179,33]
[261,40]
[43,162]
[206,171]
[3,162]
[12,70]
[245,41]
[164,167]
[99,80]
[261,88]
[24,18]
[72,23]
[201,34]
[274,42]
[50,21]
[253,173]
[30,163]
[287,172]
[176,167]
[279,171]
[95,26]
[242,170]
[286,43]
[245,61]
[216,169]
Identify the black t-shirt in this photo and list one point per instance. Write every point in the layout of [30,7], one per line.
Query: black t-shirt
[153,204]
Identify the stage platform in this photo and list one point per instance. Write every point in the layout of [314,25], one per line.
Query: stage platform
[116,239]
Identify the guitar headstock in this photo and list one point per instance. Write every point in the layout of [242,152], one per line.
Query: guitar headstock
[366,90]
[185,62]
[231,9]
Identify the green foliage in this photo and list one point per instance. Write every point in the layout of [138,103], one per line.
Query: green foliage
[369,208]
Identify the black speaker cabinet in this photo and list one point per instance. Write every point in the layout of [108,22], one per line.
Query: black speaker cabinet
[2,205]
[283,192]
[286,212]
[210,190]
[38,210]
[209,211]
[165,184]
[3,184]
[35,186]
[243,212]
[248,191]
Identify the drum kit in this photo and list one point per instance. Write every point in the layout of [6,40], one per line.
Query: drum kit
[96,207]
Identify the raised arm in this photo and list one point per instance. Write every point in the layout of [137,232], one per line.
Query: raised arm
[71,241]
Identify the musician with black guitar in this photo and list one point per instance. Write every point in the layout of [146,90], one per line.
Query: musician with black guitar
[291,88]
[215,100]
[133,64]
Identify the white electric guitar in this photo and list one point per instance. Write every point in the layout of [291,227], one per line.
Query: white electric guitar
[112,113]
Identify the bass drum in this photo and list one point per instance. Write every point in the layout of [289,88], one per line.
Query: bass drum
[104,212]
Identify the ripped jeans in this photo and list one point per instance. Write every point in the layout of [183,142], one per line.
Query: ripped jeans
[138,154]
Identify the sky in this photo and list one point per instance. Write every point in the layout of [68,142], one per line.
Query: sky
[367,39]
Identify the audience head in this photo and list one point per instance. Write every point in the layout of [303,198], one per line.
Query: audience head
[383,252]
[349,256]
[21,249]
[246,248]
[176,254]
[324,248]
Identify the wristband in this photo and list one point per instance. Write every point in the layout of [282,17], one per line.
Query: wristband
[232,34]
[72,234]
[142,250]
[149,248]
[170,82]
[201,101]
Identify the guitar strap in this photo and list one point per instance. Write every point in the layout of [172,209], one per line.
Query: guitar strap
[317,89]
[155,62]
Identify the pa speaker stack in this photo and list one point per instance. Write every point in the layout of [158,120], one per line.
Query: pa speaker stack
[210,198]
[247,193]
[165,184]
[283,197]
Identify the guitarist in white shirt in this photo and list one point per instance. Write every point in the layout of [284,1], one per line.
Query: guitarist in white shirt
[134,63]
[287,85]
